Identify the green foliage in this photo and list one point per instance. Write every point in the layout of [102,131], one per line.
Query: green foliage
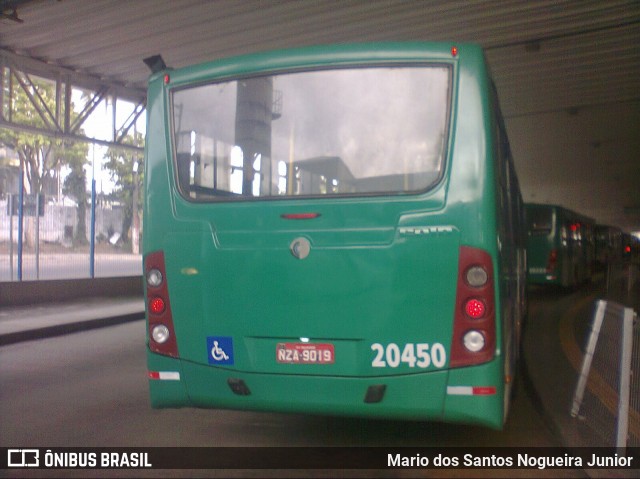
[75,186]
[121,164]
[40,155]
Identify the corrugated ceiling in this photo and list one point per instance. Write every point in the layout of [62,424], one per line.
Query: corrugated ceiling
[547,56]
[544,54]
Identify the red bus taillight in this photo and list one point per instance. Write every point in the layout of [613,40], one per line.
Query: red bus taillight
[162,336]
[474,328]
[475,308]
[552,261]
[156,306]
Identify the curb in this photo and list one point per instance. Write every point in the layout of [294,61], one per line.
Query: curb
[68,328]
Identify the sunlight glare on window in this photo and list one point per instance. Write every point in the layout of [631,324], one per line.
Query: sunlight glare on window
[236,157]
[257,161]
[236,181]
[256,185]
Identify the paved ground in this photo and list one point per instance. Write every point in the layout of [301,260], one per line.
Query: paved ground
[23,323]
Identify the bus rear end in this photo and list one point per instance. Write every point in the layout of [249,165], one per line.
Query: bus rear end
[320,235]
[544,252]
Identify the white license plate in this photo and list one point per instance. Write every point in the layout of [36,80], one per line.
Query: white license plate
[305,353]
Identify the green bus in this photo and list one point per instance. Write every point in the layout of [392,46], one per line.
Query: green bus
[333,230]
[630,248]
[608,245]
[561,246]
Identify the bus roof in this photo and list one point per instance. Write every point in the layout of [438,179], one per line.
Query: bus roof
[322,55]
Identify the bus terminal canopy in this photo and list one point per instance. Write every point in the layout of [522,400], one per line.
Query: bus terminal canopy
[573,61]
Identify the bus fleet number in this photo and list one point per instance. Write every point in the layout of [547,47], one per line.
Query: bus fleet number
[420,355]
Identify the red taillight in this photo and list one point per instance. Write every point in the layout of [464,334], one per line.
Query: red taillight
[474,328]
[552,261]
[167,79]
[454,51]
[161,332]
[156,305]
[475,308]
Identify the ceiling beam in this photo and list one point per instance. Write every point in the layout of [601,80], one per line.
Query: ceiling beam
[58,120]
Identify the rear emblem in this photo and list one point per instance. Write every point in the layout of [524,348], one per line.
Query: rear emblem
[300,248]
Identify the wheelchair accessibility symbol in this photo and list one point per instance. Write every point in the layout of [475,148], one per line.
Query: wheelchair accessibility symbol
[217,353]
[220,349]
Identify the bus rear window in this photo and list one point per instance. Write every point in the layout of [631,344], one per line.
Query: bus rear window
[540,221]
[357,131]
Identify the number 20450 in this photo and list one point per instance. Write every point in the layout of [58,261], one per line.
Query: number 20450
[421,355]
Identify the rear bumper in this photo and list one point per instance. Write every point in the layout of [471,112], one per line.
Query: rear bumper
[440,396]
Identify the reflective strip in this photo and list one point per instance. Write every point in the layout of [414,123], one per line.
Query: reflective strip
[484,390]
[471,390]
[460,390]
[165,375]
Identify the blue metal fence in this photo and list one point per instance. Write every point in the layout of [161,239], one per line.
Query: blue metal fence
[38,240]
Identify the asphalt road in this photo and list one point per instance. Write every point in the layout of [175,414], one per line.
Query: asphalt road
[89,389]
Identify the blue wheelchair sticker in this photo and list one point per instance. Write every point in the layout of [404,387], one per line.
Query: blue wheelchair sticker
[220,349]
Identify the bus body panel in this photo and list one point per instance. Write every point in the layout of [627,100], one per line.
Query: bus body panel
[378,284]
[349,296]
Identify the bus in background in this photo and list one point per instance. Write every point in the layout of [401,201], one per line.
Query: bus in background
[333,230]
[560,246]
[630,248]
[608,245]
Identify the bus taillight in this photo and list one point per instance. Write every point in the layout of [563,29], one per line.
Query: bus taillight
[474,329]
[475,308]
[156,306]
[162,337]
[552,261]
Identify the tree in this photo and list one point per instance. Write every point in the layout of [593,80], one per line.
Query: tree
[40,156]
[128,182]
[75,186]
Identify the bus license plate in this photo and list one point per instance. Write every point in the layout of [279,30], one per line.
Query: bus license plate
[305,353]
